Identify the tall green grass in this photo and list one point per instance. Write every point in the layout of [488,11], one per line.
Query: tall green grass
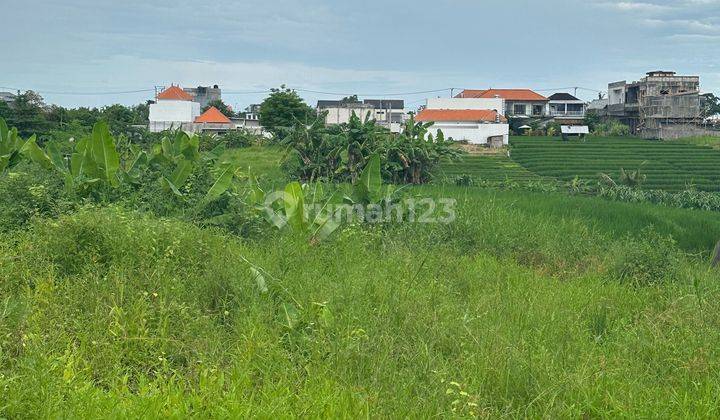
[527,305]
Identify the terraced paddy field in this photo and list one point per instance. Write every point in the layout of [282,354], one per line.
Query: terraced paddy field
[485,168]
[670,166]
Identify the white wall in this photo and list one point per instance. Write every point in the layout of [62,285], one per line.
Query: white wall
[165,113]
[466,103]
[341,115]
[474,133]
[616,95]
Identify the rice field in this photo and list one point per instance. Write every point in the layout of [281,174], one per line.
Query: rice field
[668,165]
[484,168]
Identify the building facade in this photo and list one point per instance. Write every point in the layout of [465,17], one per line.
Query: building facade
[566,109]
[173,109]
[474,120]
[518,103]
[661,105]
[339,112]
[204,94]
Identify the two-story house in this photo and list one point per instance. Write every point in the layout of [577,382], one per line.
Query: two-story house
[518,103]
[564,106]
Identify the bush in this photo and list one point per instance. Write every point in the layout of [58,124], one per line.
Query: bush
[650,260]
[464,180]
[612,128]
[239,138]
[29,192]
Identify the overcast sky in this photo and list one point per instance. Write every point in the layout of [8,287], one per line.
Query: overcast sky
[367,47]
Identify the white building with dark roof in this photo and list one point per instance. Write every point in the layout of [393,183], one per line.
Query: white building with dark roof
[564,106]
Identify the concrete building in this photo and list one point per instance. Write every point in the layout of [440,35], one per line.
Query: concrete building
[566,109]
[204,94]
[475,120]
[173,108]
[252,112]
[389,113]
[661,105]
[518,103]
[339,112]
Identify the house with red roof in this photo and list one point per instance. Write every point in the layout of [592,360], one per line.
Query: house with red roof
[474,120]
[173,108]
[212,120]
[518,103]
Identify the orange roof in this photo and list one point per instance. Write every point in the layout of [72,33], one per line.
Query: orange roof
[174,93]
[212,115]
[458,115]
[508,94]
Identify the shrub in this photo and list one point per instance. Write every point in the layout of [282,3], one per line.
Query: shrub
[29,192]
[612,128]
[650,260]
[464,180]
[239,138]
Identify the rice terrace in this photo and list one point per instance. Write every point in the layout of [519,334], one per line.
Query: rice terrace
[202,215]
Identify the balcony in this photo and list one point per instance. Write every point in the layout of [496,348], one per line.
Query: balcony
[566,114]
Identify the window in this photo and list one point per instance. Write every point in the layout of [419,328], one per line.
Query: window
[537,109]
[519,109]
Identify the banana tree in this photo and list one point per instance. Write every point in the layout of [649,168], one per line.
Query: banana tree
[93,162]
[11,146]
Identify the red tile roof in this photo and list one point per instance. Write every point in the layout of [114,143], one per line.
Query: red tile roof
[212,115]
[174,93]
[508,94]
[458,115]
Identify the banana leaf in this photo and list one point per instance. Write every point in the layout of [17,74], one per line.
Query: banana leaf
[221,184]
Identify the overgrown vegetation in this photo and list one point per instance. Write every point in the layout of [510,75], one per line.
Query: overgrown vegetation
[339,153]
[120,297]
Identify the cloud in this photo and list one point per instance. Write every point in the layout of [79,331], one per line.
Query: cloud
[629,6]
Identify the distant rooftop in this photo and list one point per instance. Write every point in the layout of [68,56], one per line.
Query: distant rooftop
[507,94]
[562,96]
[660,73]
[386,103]
[333,104]
[174,93]
[213,115]
[484,115]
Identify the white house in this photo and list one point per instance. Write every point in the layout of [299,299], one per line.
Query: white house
[389,113]
[339,112]
[519,103]
[564,106]
[476,126]
[174,108]
[475,120]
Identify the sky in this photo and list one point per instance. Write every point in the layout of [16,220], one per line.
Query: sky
[100,52]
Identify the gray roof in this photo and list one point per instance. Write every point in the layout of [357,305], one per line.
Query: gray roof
[335,104]
[562,96]
[327,104]
[386,103]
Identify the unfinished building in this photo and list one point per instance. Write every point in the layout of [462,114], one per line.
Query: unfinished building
[661,105]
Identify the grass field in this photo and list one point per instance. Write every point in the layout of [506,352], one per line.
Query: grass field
[668,165]
[527,305]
